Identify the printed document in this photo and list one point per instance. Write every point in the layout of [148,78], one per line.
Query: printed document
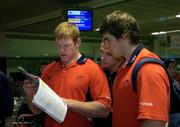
[47,100]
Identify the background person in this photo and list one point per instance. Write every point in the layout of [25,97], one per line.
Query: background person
[110,66]
[172,69]
[6,101]
[174,121]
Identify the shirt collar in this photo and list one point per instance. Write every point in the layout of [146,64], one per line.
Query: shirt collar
[82,60]
[135,54]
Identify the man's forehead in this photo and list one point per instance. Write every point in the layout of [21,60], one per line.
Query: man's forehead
[65,40]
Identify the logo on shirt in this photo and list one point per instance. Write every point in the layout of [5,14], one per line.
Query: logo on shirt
[148,104]
[80,77]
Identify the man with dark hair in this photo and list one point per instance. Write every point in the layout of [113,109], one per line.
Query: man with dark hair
[148,107]
[6,99]
[172,69]
[110,65]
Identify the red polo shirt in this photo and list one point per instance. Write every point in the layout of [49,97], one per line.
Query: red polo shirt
[151,100]
[73,82]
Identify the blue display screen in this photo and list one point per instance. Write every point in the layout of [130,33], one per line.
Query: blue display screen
[81,18]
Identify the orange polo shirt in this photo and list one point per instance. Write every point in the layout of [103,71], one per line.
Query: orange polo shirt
[73,82]
[151,100]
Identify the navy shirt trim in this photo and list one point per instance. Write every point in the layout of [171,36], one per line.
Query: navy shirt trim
[82,60]
[135,54]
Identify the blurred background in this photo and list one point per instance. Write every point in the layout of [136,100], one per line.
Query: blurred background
[27,27]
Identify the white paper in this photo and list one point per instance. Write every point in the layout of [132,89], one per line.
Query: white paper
[47,100]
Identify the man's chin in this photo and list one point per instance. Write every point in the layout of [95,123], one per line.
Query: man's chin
[63,60]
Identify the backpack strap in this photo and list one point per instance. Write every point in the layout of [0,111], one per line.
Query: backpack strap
[139,65]
[176,88]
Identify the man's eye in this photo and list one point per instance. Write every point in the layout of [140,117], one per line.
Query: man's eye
[106,40]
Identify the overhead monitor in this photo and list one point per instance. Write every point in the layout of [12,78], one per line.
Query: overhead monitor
[83,19]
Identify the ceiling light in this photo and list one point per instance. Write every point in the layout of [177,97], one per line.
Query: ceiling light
[173,31]
[18,57]
[162,32]
[157,33]
[165,32]
[97,29]
[154,33]
[177,16]
[45,54]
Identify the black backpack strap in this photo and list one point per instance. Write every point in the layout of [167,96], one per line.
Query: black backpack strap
[176,88]
[138,66]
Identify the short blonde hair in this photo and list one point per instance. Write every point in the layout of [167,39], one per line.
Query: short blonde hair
[67,29]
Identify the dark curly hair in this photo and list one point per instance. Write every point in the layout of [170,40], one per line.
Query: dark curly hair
[120,22]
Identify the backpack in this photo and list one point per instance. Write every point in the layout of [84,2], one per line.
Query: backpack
[174,90]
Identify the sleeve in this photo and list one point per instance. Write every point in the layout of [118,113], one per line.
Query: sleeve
[153,92]
[99,88]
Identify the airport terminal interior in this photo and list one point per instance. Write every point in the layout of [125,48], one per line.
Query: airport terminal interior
[27,31]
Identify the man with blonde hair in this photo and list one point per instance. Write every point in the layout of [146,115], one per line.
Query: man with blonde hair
[71,78]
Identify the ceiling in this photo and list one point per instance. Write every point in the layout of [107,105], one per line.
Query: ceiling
[38,18]
[41,16]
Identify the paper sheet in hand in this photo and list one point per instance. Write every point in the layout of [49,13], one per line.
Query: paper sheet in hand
[47,100]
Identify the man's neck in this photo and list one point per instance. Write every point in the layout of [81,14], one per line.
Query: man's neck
[74,59]
[130,52]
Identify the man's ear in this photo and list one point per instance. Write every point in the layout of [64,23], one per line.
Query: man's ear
[78,43]
[124,35]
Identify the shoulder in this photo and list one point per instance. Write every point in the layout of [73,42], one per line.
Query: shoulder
[50,66]
[92,64]
[150,69]
[91,68]
[146,53]
[3,78]
[2,75]
[48,69]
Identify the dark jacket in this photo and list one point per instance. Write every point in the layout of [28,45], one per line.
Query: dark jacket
[6,97]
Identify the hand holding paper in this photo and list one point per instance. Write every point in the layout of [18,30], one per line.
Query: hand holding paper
[47,100]
[30,76]
[50,102]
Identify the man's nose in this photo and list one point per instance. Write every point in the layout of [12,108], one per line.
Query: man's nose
[61,49]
